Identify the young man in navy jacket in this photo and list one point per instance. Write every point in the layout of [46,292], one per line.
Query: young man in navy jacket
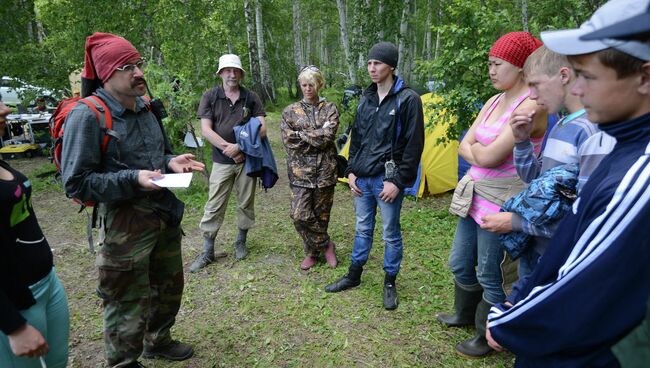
[385,149]
[591,286]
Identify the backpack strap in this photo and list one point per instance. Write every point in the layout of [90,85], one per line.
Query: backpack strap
[103,115]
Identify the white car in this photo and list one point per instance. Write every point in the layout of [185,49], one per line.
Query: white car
[11,90]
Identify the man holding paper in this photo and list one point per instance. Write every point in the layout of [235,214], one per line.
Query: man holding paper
[139,262]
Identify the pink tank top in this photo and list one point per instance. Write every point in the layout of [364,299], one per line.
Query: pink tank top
[485,135]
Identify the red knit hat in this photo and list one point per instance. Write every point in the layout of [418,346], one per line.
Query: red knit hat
[515,47]
[104,53]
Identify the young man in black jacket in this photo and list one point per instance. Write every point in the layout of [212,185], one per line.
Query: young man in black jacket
[385,149]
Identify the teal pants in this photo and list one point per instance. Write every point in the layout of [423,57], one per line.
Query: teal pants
[51,317]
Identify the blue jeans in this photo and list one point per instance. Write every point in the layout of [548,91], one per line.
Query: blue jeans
[476,257]
[366,210]
[50,316]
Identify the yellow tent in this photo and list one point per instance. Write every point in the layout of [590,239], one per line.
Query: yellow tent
[439,162]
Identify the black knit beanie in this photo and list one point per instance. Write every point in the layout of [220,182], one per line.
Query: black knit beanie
[385,52]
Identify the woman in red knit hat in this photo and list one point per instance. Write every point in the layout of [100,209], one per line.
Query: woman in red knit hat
[477,259]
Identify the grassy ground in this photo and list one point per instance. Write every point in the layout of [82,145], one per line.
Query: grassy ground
[264,311]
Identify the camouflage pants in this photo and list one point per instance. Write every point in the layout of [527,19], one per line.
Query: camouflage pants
[310,212]
[140,281]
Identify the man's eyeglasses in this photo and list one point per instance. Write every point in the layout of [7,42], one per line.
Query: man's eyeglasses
[312,68]
[131,67]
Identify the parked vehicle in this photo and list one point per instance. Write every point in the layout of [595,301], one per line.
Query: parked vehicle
[27,135]
[13,91]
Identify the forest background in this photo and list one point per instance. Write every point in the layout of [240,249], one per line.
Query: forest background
[264,311]
[442,43]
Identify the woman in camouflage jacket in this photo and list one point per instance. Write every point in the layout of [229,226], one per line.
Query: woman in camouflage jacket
[308,132]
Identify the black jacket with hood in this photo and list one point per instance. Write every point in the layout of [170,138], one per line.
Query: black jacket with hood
[374,131]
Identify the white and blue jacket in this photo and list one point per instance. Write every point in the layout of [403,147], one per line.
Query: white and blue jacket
[590,287]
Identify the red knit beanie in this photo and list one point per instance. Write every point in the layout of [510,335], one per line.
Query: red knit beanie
[104,53]
[515,47]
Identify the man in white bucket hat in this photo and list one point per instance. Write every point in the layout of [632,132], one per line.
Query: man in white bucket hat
[221,109]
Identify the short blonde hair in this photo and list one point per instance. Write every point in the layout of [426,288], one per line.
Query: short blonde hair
[546,62]
[312,75]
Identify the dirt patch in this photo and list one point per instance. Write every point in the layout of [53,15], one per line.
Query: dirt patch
[264,311]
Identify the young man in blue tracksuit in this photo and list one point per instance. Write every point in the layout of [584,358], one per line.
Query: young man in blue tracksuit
[385,149]
[591,286]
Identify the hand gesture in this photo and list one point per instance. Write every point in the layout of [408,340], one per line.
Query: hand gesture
[28,342]
[522,125]
[499,223]
[231,150]
[239,158]
[493,344]
[185,163]
[389,192]
[352,181]
[144,177]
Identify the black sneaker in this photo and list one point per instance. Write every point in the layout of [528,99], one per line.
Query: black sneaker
[390,296]
[344,283]
[175,350]
[201,261]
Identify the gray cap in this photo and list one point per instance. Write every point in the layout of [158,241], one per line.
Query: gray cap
[385,52]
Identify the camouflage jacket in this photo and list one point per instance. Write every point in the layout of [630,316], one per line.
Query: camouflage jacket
[308,134]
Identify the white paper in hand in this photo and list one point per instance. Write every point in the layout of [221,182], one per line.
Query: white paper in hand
[174,180]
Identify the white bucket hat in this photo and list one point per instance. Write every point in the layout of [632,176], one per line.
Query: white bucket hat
[569,42]
[229,61]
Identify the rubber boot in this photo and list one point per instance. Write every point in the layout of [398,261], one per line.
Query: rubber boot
[477,346]
[466,298]
[390,298]
[206,257]
[350,280]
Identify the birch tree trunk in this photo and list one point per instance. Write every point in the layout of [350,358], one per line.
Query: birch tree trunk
[297,48]
[439,17]
[524,15]
[402,47]
[345,40]
[380,17]
[252,50]
[428,30]
[265,69]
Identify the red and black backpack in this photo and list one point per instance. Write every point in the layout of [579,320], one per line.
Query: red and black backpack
[57,125]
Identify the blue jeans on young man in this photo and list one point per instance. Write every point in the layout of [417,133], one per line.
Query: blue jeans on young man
[476,257]
[366,211]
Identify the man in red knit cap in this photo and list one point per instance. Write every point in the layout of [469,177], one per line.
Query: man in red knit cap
[139,262]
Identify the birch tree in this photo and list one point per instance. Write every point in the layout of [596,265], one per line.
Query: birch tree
[343,25]
[403,35]
[265,69]
[297,49]
[524,15]
[252,50]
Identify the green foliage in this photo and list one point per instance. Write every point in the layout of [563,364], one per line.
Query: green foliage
[468,30]
[43,41]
